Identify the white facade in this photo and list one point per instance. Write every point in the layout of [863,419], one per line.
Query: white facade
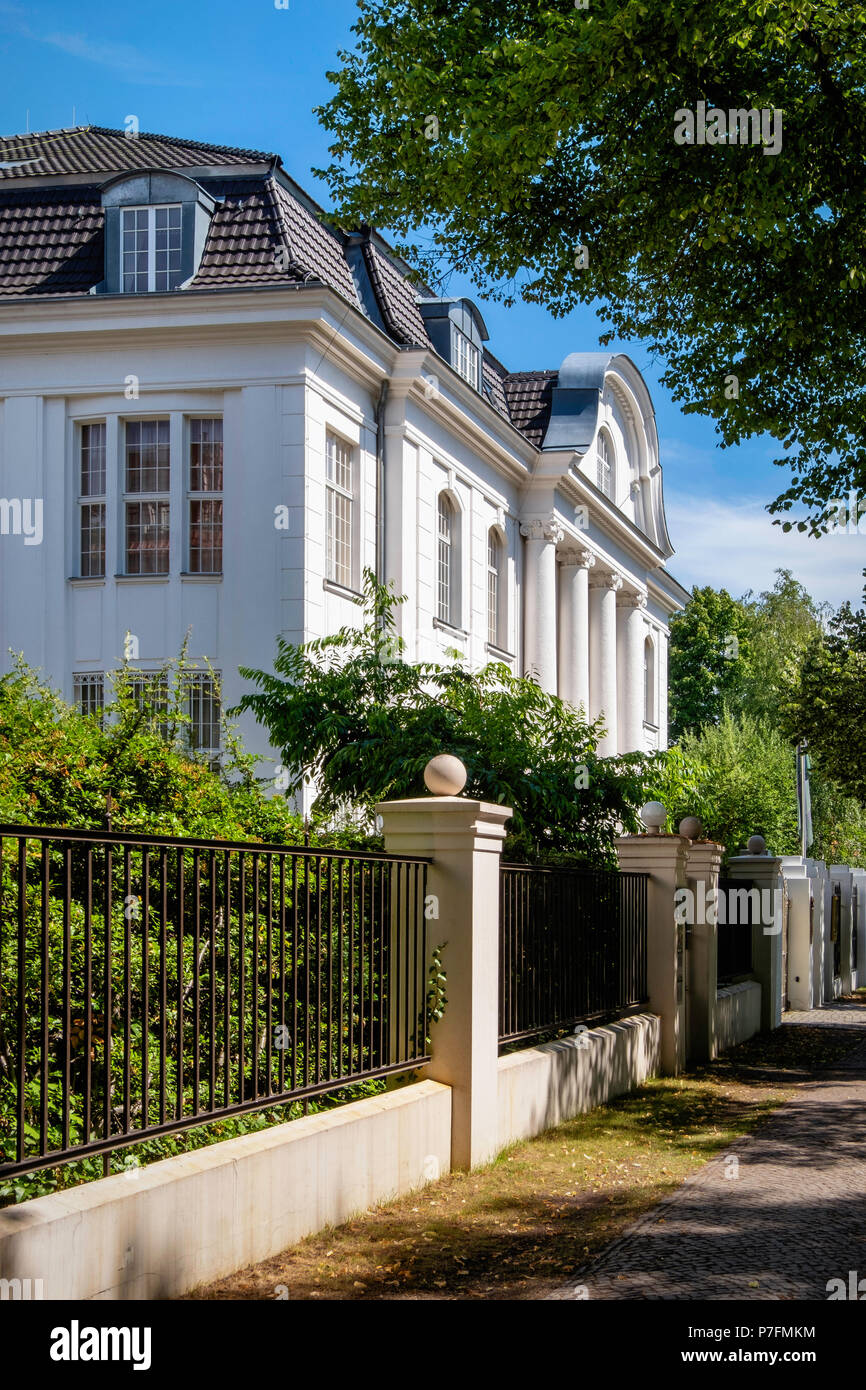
[541,569]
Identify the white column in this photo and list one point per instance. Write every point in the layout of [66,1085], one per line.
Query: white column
[574,627]
[630,673]
[602,657]
[539,608]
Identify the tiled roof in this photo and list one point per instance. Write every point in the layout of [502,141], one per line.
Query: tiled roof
[397,299]
[52,239]
[97,150]
[529,396]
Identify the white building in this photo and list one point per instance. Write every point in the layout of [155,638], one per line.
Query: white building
[215,411]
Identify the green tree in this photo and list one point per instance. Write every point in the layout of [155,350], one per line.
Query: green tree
[517,134]
[349,713]
[828,705]
[784,621]
[709,659]
[744,784]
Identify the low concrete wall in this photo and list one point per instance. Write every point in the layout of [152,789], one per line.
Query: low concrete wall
[738,1014]
[540,1087]
[199,1216]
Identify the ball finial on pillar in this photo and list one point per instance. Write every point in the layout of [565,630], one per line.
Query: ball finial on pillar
[757,844]
[653,814]
[691,827]
[445,775]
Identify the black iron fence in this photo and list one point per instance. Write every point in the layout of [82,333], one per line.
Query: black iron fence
[148,985]
[572,947]
[739,906]
[836,928]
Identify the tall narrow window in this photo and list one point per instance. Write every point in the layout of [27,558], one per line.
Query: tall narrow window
[339,502]
[203,704]
[150,248]
[649,681]
[91,505]
[445,553]
[466,357]
[205,500]
[150,691]
[604,476]
[147,483]
[494,587]
[89,692]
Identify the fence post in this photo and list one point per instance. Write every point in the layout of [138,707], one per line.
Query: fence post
[762,870]
[663,858]
[858,926]
[799,887]
[703,861]
[463,838]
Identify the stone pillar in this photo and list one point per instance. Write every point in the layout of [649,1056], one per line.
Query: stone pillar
[574,627]
[602,657]
[703,861]
[798,886]
[764,872]
[631,632]
[663,858]
[464,840]
[539,602]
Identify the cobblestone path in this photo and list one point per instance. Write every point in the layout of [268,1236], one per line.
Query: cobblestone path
[792,1219]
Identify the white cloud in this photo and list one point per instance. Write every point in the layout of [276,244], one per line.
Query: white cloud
[123,58]
[735,546]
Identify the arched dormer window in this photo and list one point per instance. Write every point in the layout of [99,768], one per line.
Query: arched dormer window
[649,682]
[458,333]
[447,595]
[156,225]
[495,589]
[605,477]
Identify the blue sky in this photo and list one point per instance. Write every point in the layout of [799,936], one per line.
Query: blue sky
[250,75]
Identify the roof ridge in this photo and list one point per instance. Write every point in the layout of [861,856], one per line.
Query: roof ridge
[260,156]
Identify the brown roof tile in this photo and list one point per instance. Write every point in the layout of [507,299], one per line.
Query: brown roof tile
[98,150]
[529,396]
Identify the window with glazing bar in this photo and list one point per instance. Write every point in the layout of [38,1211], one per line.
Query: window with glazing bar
[205,496]
[147,483]
[150,248]
[445,556]
[89,692]
[339,503]
[494,563]
[91,502]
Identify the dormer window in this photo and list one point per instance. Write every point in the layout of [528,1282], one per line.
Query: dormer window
[466,357]
[150,248]
[457,332]
[156,225]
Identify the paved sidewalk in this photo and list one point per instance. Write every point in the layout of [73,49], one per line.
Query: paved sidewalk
[793,1218]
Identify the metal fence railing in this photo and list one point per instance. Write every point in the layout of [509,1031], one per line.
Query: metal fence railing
[148,985]
[572,947]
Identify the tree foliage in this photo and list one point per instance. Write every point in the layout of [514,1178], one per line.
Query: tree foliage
[350,714]
[517,134]
[828,703]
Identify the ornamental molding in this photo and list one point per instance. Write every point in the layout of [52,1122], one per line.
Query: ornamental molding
[606,581]
[542,529]
[578,559]
[629,600]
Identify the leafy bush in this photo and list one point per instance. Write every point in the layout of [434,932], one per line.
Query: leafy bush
[351,715]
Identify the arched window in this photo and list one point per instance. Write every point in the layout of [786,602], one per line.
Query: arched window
[605,472]
[649,681]
[446,588]
[494,589]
